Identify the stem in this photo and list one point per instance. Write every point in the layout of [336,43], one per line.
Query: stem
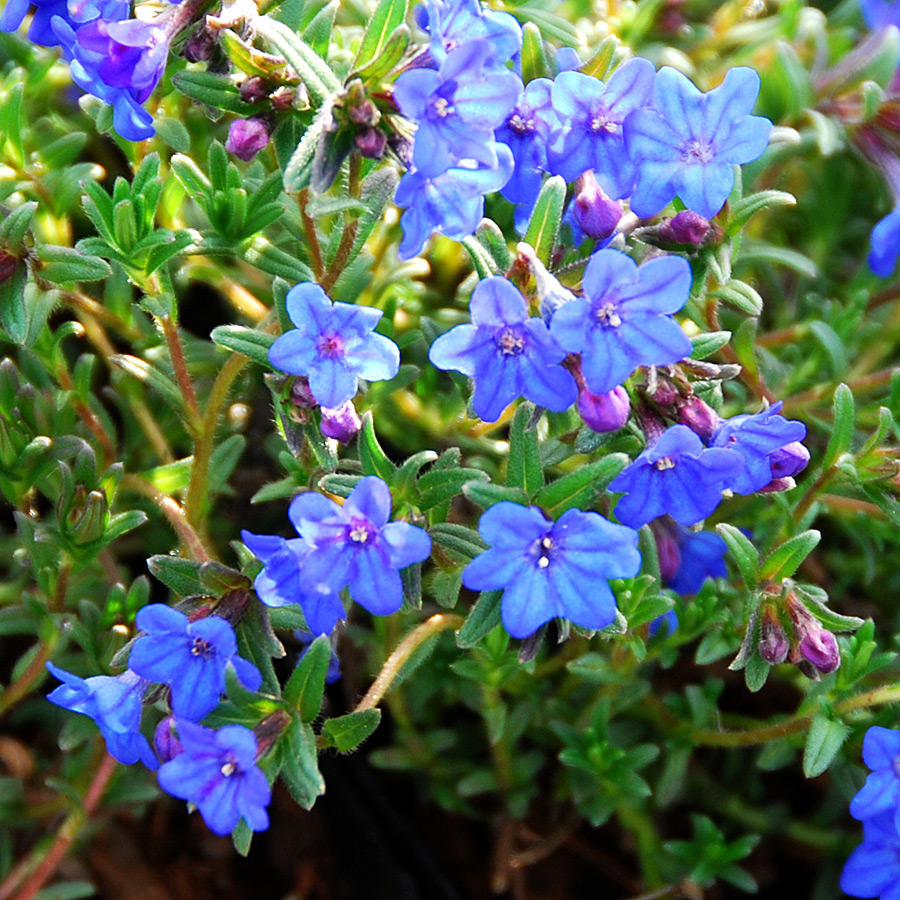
[179,364]
[312,237]
[66,834]
[348,237]
[189,538]
[95,426]
[35,670]
[405,649]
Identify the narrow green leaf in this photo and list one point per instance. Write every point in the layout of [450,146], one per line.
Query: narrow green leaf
[14,311]
[844,407]
[179,574]
[123,523]
[66,265]
[346,733]
[524,468]
[784,561]
[242,837]
[485,494]
[439,485]
[825,738]
[741,296]
[246,341]
[389,15]
[216,91]
[482,261]
[379,69]
[374,460]
[754,203]
[543,226]
[15,226]
[534,59]
[459,541]
[756,672]
[745,555]
[707,344]
[318,33]
[269,258]
[190,175]
[483,618]
[300,770]
[582,487]
[151,376]
[13,119]
[306,685]
[494,242]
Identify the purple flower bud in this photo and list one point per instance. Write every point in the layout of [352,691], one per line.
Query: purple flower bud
[701,418]
[166,740]
[342,424]
[777,485]
[371,143]
[604,412]
[789,460]
[820,648]
[254,89]
[301,395]
[284,97]
[774,644]
[200,45]
[596,214]
[246,138]
[686,227]
[667,550]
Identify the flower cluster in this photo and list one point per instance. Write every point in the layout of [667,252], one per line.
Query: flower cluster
[215,770]
[873,869]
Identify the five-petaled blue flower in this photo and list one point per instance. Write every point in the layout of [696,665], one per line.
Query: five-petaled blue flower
[688,142]
[115,704]
[457,108]
[873,869]
[551,569]
[625,320]
[451,203]
[881,792]
[756,437]
[217,771]
[701,556]
[353,546]
[507,353]
[190,657]
[451,23]
[678,476]
[591,116]
[333,344]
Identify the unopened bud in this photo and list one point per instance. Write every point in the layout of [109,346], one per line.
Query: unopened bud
[200,45]
[285,97]
[604,412]
[87,521]
[301,396]
[254,89]
[789,460]
[699,416]
[686,227]
[667,550]
[371,143]
[342,424]
[774,644]
[165,740]
[820,648]
[777,485]
[246,138]
[597,214]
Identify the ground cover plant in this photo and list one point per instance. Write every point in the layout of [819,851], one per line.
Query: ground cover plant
[492,402]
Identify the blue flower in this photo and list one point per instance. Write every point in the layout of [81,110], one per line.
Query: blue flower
[451,203]
[688,144]
[457,108]
[217,771]
[115,704]
[452,23]
[873,869]
[881,792]
[526,132]
[880,13]
[507,353]
[757,437]
[121,62]
[625,320]
[334,344]
[885,244]
[190,657]
[701,556]
[591,116]
[678,476]
[551,569]
[353,546]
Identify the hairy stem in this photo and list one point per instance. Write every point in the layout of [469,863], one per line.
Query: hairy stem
[179,364]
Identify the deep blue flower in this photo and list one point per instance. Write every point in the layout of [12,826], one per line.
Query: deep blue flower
[452,23]
[507,353]
[451,203]
[880,13]
[591,116]
[115,704]
[678,476]
[334,344]
[873,869]
[885,244]
[457,108]
[217,771]
[551,569]
[881,792]
[190,657]
[757,437]
[701,556]
[353,546]
[74,12]
[625,320]
[526,132]
[567,59]
[688,144]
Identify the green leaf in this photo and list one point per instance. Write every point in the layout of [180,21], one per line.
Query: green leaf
[389,15]
[151,376]
[825,738]
[784,561]
[306,685]
[752,204]
[179,574]
[543,227]
[438,485]
[123,523]
[482,619]
[756,672]
[582,487]
[14,311]
[374,460]
[66,265]
[534,59]
[247,341]
[745,555]
[494,242]
[318,33]
[15,226]
[216,91]
[391,55]
[300,770]
[12,122]
[741,296]
[241,837]
[839,443]
[482,261]
[269,258]
[485,494]
[190,175]
[346,733]
[459,541]
[524,468]
[707,344]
